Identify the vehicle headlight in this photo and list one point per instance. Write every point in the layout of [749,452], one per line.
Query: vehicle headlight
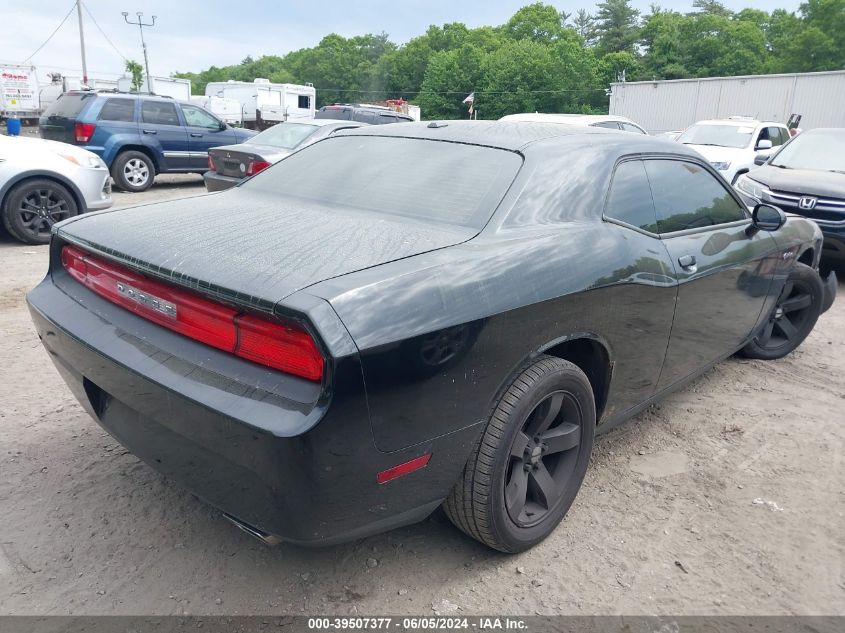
[750,187]
[721,165]
[92,161]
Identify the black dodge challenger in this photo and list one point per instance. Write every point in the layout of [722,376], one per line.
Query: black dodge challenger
[405,316]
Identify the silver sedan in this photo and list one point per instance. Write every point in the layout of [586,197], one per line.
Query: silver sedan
[43,182]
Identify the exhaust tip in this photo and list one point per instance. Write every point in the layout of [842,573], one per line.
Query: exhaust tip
[264,537]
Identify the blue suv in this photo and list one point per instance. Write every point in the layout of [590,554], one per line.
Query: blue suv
[138,136]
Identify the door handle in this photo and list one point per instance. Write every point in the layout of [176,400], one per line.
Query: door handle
[150,132]
[196,134]
[687,261]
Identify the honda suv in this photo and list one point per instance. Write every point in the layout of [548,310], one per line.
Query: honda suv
[138,136]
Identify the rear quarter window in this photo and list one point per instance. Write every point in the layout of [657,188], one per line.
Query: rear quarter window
[118,110]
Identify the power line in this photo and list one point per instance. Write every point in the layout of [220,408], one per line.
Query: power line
[102,32]
[64,19]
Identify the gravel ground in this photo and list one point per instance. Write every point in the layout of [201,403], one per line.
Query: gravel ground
[728,497]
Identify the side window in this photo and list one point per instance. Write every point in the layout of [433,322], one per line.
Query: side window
[197,117]
[303,101]
[159,112]
[630,198]
[610,125]
[778,135]
[118,110]
[687,196]
[631,128]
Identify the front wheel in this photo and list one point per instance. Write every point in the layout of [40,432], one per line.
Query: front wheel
[793,317]
[34,206]
[530,461]
[133,171]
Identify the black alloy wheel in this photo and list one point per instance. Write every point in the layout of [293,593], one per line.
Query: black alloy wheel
[34,206]
[543,458]
[793,317]
[529,462]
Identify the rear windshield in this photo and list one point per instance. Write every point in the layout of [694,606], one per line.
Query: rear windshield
[344,114]
[68,105]
[284,135]
[426,180]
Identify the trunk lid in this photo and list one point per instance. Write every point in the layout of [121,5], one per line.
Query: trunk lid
[251,247]
[232,160]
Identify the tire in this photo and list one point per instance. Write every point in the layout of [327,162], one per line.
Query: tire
[33,206]
[512,502]
[133,171]
[793,317]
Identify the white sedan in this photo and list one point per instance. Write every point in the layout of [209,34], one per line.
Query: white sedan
[43,182]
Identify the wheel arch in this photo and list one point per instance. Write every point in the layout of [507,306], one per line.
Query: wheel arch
[32,174]
[144,150]
[808,257]
[592,355]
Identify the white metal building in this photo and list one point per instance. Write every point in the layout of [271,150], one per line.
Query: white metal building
[663,106]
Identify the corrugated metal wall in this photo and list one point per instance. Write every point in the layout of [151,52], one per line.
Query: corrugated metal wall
[662,106]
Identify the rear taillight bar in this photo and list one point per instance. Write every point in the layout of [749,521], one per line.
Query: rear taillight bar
[286,347]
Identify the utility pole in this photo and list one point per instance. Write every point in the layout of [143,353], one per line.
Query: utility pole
[141,24]
[82,42]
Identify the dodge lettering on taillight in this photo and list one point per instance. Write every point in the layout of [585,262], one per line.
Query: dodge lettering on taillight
[146,299]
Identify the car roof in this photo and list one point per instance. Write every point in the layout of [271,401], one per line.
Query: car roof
[566,119]
[323,122]
[517,135]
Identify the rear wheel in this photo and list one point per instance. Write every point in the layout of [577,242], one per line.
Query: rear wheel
[529,463]
[133,171]
[34,206]
[793,317]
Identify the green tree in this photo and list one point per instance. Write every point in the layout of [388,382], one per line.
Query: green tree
[539,22]
[137,71]
[583,24]
[617,26]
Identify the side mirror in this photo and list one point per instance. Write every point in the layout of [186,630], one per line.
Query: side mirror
[223,126]
[765,217]
[760,159]
[764,144]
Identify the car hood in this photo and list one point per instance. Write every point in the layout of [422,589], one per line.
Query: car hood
[801,181]
[717,153]
[253,247]
[270,153]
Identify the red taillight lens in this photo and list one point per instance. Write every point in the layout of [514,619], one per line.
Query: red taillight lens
[256,166]
[286,347]
[83,131]
[211,164]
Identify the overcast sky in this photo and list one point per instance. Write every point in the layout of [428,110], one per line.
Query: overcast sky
[194,34]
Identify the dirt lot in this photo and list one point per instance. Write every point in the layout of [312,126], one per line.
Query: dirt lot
[726,498]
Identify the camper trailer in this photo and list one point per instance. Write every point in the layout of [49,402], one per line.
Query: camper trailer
[264,103]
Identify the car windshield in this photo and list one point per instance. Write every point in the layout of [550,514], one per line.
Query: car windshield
[421,179]
[284,135]
[721,135]
[824,151]
[68,105]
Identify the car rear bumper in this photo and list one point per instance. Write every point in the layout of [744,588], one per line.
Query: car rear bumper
[304,472]
[217,182]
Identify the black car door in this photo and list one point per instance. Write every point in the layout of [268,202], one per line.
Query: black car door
[723,270]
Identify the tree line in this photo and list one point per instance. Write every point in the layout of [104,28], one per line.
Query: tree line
[547,60]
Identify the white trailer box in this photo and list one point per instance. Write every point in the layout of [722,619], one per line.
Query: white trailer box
[277,101]
[663,106]
[228,110]
[19,94]
[162,86]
